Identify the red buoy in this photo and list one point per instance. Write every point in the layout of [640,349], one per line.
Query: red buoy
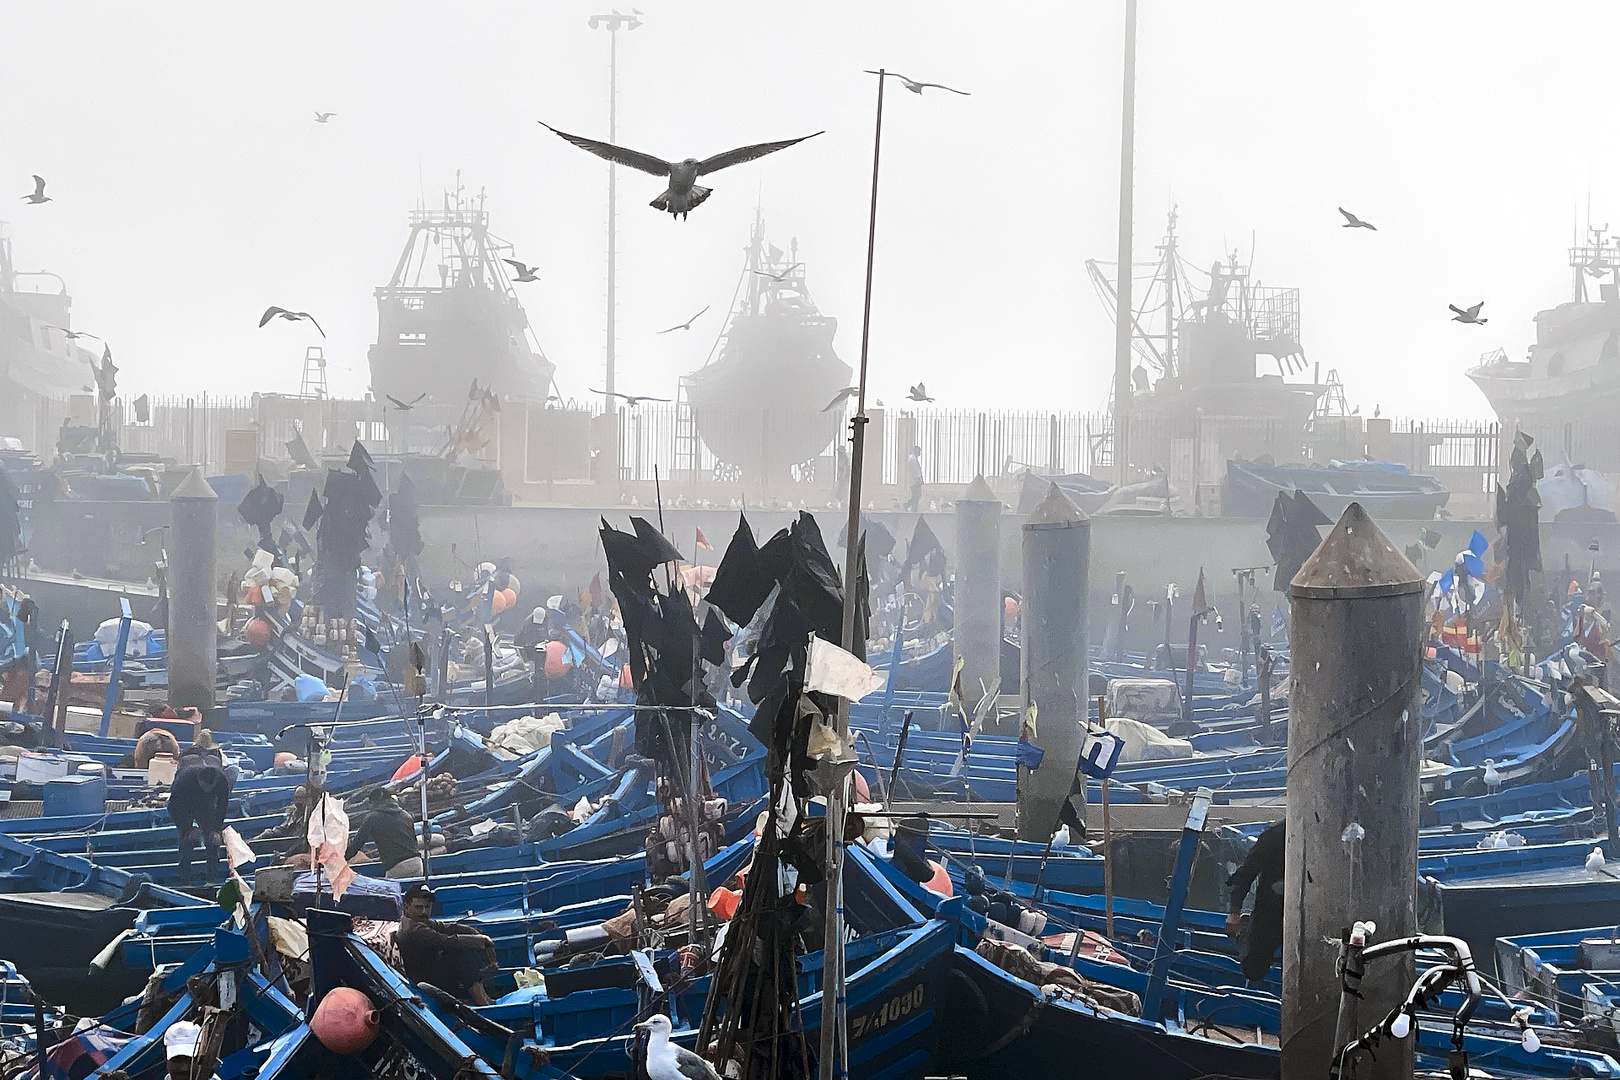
[345,1021]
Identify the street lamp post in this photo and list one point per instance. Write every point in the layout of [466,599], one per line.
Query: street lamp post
[613,23]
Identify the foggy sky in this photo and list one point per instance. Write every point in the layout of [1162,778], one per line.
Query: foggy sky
[193,188]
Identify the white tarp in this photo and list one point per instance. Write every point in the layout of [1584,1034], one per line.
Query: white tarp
[329,843]
[834,671]
[1144,742]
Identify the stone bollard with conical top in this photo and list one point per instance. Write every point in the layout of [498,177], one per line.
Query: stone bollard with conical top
[1355,744]
[1052,632]
[193,641]
[976,634]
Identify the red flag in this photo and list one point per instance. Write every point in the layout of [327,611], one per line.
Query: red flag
[703,541]
[596,591]
[1198,594]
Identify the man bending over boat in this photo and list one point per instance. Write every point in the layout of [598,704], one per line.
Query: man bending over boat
[393,831]
[450,956]
[198,800]
[1263,871]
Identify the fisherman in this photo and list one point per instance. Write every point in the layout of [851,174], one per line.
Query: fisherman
[392,830]
[450,956]
[914,479]
[182,1040]
[1263,871]
[198,800]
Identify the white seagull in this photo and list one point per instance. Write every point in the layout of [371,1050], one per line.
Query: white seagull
[1493,779]
[1353,222]
[1594,861]
[918,87]
[666,1060]
[324,117]
[39,195]
[524,273]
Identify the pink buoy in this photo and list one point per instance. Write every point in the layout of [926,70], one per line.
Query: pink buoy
[863,793]
[410,767]
[345,1021]
[256,633]
[941,881]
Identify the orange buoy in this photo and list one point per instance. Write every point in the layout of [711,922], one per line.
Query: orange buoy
[154,742]
[723,902]
[511,596]
[256,633]
[497,602]
[284,759]
[1010,607]
[411,767]
[940,883]
[863,793]
[345,1021]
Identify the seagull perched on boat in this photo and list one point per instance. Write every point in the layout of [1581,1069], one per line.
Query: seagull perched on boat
[406,406]
[1353,222]
[842,396]
[918,87]
[668,1061]
[631,400]
[291,316]
[524,273]
[684,193]
[39,195]
[918,393]
[323,117]
[1469,316]
[687,325]
[1595,862]
[1493,779]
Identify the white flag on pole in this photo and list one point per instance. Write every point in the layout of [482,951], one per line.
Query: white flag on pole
[835,671]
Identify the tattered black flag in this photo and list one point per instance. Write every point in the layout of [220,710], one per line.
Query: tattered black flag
[1518,516]
[259,508]
[1291,535]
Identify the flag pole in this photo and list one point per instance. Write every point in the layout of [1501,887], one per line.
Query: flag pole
[833,1061]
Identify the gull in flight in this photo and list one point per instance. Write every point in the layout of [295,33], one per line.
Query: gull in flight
[842,396]
[290,316]
[779,277]
[524,273]
[631,400]
[39,195]
[684,193]
[406,406]
[1353,222]
[687,325]
[918,393]
[918,87]
[1469,316]
[323,117]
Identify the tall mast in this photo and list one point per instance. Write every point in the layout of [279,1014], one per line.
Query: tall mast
[1122,286]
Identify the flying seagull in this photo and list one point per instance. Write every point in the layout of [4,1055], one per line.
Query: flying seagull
[1469,316]
[290,316]
[670,1061]
[687,325]
[524,273]
[918,87]
[842,396]
[39,195]
[73,335]
[684,193]
[779,277]
[403,406]
[918,393]
[1353,222]
[323,117]
[631,400]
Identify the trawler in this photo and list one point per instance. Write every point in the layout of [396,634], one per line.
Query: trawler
[1566,391]
[759,404]
[462,323]
[39,363]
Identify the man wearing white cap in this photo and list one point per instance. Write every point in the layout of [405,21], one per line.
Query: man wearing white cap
[182,1043]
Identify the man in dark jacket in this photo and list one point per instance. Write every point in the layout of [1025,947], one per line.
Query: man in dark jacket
[1262,871]
[389,827]
[450,956]
[198,800]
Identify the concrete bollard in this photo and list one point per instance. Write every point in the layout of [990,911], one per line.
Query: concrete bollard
[193,641]
[1355,743]
[1057,559]
[976,639]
